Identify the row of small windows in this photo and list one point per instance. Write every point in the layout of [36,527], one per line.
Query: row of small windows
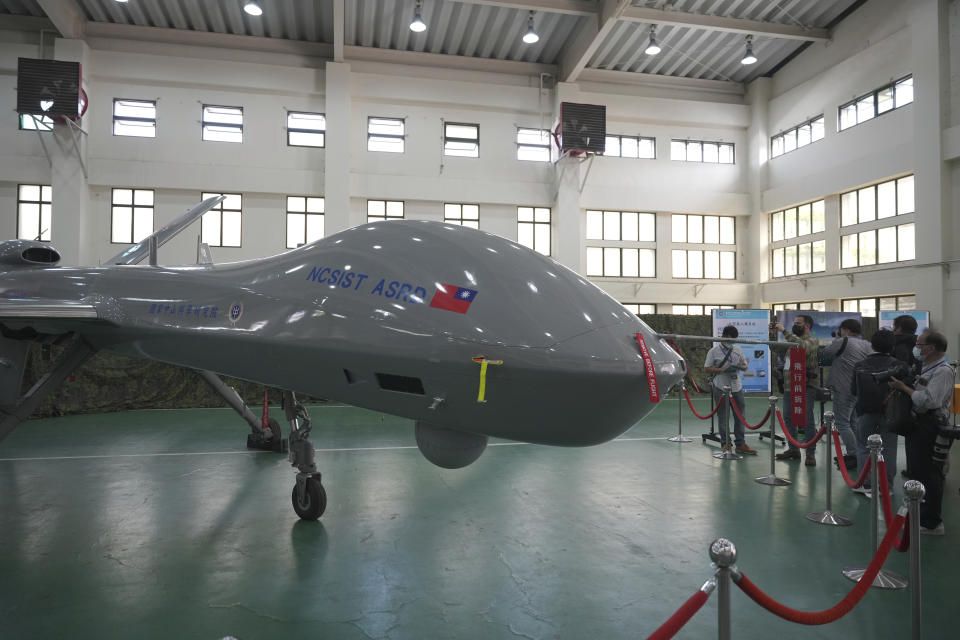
[878,201]
[877,246]
[797,221]
[697,229]
[867,307]
[676,309]
[642,263]
[808,257]
[868,106]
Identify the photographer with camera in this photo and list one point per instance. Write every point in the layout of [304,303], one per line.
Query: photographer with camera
[842,354]
[869,386]
[802,326]
[930,436]
[725,361]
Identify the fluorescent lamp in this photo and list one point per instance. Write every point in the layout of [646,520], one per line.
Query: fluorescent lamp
[253,9]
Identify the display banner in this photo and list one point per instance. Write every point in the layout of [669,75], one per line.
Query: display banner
[826,324]
[752,324]
[798,387]
[652,386]
[922,318]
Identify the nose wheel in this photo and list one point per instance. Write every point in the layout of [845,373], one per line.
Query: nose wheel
[309,497]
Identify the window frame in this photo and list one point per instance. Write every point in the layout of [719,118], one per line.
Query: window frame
[386,217]
[687,142]
[795,131]
[533,222]
[706,309]
[447,139]
[544,135]
[219,209]
[133,207]
[877,304]
[472,223]
[875,95]
[386,137]
[809,305]
[126,120]
[41,123]
[321,132]
[692,254]
[306,213]
[638,139]
[622,260]
[876,247]
[42,189]
[224,126]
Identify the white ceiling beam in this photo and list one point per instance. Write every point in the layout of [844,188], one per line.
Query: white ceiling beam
[569,7]
[667,82]
[423,59]
[25,23]
[66,17]
[338,30]
[589,39]
[719,23]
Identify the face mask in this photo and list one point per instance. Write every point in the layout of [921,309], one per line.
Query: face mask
[917,354]
[727,345]
[799,329]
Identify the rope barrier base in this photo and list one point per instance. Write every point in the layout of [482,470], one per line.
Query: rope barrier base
[776,437]
[728,455]
[773,480]
[679,438]
[829,517]
[884,580]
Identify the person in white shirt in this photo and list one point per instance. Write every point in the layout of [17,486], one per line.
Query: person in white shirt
[726,362]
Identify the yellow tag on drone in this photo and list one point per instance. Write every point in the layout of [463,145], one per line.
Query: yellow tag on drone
[481,395]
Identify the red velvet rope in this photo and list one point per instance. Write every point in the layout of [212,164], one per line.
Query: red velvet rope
[843,468]
[669,628]
[736,410]
[793,440]
[709,415]
[904,544]
[841,608]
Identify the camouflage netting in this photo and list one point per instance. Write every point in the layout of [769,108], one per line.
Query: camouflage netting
[116,383]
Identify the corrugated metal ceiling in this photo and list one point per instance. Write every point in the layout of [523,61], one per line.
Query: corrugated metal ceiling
[492,29]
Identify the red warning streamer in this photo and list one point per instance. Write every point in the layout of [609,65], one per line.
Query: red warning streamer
[648,367]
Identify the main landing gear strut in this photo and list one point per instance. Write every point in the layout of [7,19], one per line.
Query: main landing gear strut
[309,497]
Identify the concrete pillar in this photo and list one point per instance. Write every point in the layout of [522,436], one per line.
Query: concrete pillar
[930,53]
[753,236]
[337,164]
[71,222]
[568,223]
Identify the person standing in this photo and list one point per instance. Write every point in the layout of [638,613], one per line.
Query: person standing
[726,362]
[843,353]
[930,395]
[800,335]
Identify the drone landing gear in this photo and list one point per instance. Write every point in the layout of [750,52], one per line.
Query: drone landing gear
[265,432]
[309,497]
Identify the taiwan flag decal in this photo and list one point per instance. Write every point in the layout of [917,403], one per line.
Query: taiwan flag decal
[453,298]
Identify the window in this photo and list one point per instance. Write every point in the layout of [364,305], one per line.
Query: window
[637,309]
[533,144]
[385,134]
[868,307]
[799,136]
[791,258]
[34,204]
[533,228]
[222,124]
[137,118]
[220,226]
[621,225]
[700,151]
[305,221]
[630,147]
[306,129]
[382,210]
[132,215]
[884,200]
[621,262]
[869,106]
[698,229]
[809,305]
[877,246]
[466,215]
[697,309]
[708,265]
[30,122]
[461,139]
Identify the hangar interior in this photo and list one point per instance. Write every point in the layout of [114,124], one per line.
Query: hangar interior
[820,176]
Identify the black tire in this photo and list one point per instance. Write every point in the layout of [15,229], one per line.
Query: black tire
[314,503]
[275,429]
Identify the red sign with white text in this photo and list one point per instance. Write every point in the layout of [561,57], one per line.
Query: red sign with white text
[798,386]
[652,386]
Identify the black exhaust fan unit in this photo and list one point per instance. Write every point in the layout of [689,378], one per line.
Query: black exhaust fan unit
[48,88]
[583,127]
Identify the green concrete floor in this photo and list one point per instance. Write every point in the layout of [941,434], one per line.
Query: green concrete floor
[160,524]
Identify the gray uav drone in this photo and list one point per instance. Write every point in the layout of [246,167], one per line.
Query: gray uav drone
[466,333]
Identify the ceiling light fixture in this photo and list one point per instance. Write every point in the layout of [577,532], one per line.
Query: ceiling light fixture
[253,9]
[418,25]
[653,48]
[530,36]
[748,57]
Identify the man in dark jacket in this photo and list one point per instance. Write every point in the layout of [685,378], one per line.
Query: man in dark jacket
[905,330]
[870,390]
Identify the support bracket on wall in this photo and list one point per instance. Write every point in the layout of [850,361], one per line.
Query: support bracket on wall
[803,281]
[850,278]
[636,289]
[697,288]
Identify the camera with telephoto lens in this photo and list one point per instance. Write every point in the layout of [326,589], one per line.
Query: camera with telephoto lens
[896,373]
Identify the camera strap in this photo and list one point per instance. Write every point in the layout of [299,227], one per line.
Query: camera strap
[842,347]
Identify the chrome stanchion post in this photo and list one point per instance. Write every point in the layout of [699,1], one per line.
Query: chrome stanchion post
[772,478]
[915,491]
[724,556]
[885,579]
[679,437]
[828,516]
[726,450]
